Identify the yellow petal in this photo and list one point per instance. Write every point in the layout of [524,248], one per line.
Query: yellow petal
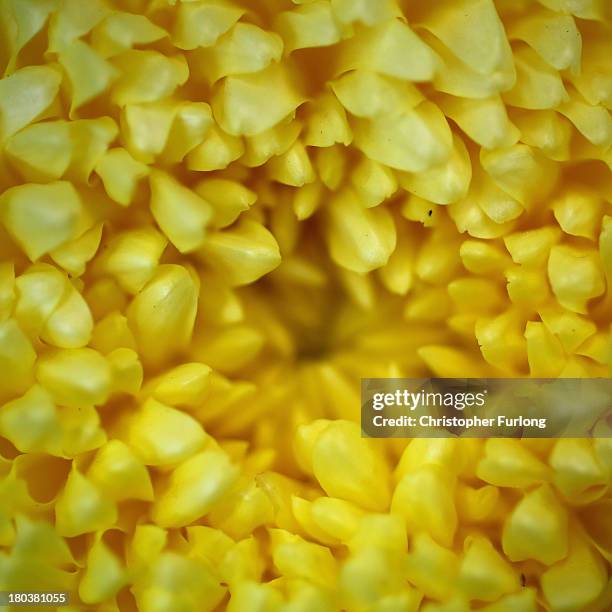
[244,253]
[41,217]
[30,17]
[307,200]
[121,31]
[398,273]
[575,276]
[368,578]
[147,76]
[117,472]
[413,141]
[507,463]
[484,121]
[273,141]
[162,314]
[587,9]
[228,350]
[457,78]
[538,86]
[112,332]
[243,510]
[368,12]
[484,574]
[75,377]
[520,172]
[292,167]
[25,95]
[384,531]
[593,122]
[191,125]
[41,152]
[359,239]
[90,139]
[532,247]
[146,127]
[184,385]
[449,362]
[326,122]
[126,370]
[242,105]
[577,473]
[17,359]
[216,152]
[390,48]
[336,517]
[545,130]
[245,49]
[194,487]
[199,24]
[104,575]
[431,567]
[471,218]
[228,198]
[307,26]
[527,287]
[571,329]
[525,600]
[578,212]
[544,351]
[577,580]
[161,435]
[40,289]
[82,508]
[187,583]
[485,49]
[593,80]
[366,93]
[425,499]
[242,563]
[296,558]
[71,323]
[432,304]
[475,295]
[437,259]
[348,468]
[475,505]
[373,182]
[30,423]
[7,289]
[89,74]
[131,257]
[74,255]
[252,594]
[502,341]
[446,183]
[537,528]
[553,36]
[120,174]
[180,213]
[481,257]
[73,20]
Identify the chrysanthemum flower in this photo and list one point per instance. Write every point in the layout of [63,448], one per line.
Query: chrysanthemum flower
[216,216]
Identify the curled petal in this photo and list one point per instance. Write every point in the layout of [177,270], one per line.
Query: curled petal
[390,48]
[242,105]
[413,141]
[25,95]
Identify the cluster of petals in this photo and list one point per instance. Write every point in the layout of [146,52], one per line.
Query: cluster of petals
[216,216]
